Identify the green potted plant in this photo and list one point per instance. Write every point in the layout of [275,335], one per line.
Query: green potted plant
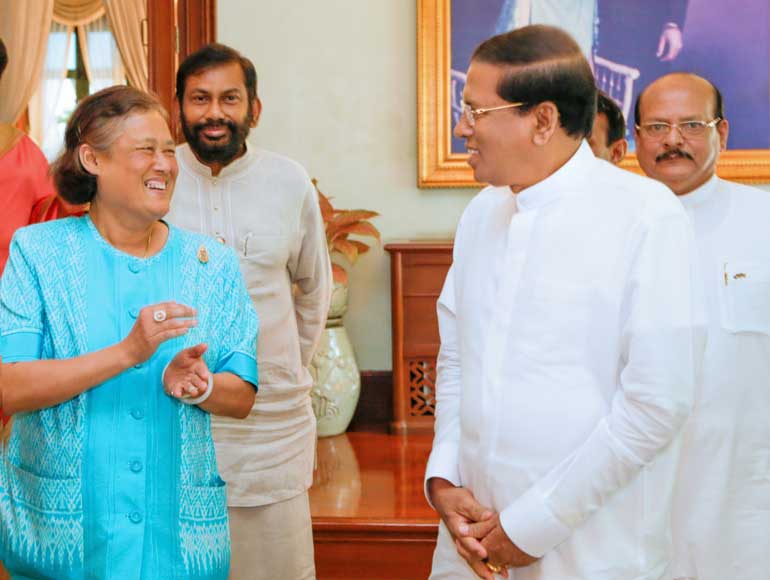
[337,382]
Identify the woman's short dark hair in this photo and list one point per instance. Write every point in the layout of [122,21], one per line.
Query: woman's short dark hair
[545,64]
[3,57]
[210,56]
[96,121]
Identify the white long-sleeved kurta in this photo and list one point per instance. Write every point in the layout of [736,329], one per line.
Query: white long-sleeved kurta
[569,337]
[264,206]
[722,505]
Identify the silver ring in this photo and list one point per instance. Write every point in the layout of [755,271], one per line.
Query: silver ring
[159,315]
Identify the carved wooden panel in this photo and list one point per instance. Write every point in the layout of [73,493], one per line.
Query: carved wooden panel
[418,270]
[422,387]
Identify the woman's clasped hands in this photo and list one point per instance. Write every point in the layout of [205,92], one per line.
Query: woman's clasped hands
[187,375]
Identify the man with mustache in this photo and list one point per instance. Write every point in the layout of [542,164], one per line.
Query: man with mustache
[264,206]
[568,337]
[722,505]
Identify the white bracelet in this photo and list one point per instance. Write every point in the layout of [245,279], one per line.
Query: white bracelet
[187,400]
[204,396]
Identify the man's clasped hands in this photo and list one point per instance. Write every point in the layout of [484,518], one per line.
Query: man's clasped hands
[476,530]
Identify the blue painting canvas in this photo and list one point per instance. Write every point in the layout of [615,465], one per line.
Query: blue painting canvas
[632,42]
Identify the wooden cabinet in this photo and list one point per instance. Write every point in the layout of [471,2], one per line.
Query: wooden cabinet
[418,269]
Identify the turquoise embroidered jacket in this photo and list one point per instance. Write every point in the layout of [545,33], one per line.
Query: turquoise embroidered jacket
[62,472]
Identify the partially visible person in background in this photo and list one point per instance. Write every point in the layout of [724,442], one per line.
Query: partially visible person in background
[608,136]
[721,524]
[24,182]
[27,194]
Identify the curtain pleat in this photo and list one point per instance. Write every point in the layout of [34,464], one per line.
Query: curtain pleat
[24,29]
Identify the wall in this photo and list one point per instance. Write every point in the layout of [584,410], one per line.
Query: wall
[337,79]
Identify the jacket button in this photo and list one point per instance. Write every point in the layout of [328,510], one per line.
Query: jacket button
[135,517]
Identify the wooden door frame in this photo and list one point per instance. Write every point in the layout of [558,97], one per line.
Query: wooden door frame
[173,34]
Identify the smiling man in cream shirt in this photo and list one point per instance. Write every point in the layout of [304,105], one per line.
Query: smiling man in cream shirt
[265,207]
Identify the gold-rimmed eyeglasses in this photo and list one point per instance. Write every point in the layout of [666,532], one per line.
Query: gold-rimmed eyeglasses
[472,114]
[659,129]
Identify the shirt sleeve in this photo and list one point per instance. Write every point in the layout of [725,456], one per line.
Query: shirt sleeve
[21,308]
[239,326]
[443,461]
[662,341]
[311,272]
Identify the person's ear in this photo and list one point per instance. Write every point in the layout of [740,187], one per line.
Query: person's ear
[546,117]
[256,108]
[724,131]
[89,159]
[618,150]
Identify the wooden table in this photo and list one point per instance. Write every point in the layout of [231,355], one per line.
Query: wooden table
[370,517]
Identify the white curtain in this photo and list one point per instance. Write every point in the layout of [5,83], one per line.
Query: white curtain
[50,104]
[23,28]
[101,56]
[125,17]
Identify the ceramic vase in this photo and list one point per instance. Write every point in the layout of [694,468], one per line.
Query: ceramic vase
[337,381]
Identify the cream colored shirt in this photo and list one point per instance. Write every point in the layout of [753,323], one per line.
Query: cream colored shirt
[570,337]
[722,508]
[264,206]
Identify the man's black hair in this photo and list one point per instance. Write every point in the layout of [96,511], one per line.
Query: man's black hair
[616,124]
[210,56]
[545,64]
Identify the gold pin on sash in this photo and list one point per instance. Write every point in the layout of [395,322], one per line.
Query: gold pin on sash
[203,254]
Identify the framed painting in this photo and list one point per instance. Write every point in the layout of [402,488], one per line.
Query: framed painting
[628,42]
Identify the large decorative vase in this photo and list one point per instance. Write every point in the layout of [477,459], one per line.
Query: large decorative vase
[337,382]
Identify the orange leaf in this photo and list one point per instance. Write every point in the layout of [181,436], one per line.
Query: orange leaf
[327,211]
[339,274]
[345,248]
[362,247]
[352,215]
[360,228]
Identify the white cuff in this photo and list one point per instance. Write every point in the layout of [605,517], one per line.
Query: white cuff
[442,463]
[530,524]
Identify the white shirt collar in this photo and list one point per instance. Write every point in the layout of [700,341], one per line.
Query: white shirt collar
[231,169]
[561,182]
[701,195]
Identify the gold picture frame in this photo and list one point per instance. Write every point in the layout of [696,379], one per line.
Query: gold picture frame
[438,166]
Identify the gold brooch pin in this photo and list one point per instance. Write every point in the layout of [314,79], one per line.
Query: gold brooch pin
[740,275]
[203,254]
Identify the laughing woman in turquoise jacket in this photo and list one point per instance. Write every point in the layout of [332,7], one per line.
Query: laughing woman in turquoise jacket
[119,335]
